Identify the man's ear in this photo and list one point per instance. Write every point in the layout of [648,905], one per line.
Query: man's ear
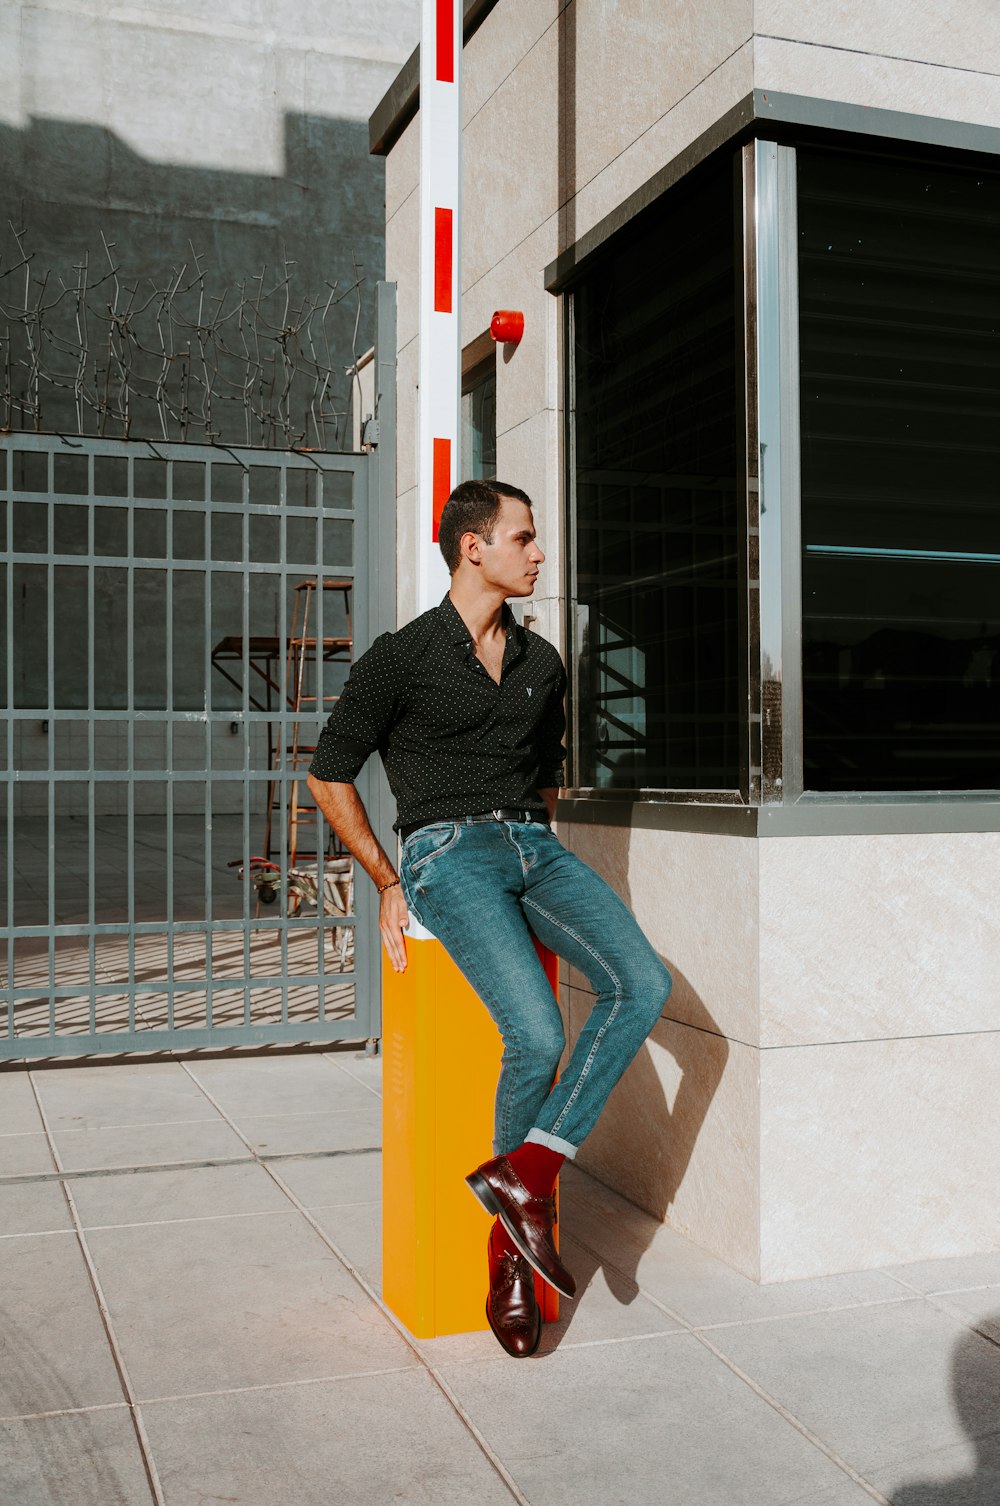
[469,545]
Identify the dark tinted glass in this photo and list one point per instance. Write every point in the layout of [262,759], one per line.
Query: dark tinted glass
[657,445]
[479,424]
[899,275]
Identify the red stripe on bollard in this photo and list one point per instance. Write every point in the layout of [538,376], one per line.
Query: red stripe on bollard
[442,261]
[445,32]
[442,480]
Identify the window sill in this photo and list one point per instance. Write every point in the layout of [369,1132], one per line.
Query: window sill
[813,815]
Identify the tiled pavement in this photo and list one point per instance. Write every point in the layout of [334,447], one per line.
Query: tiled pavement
[189,1263]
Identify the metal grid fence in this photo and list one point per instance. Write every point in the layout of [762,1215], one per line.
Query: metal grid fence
[138,779]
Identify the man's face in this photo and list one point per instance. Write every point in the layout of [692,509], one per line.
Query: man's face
[511,562]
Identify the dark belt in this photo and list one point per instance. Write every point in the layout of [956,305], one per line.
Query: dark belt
[503,813]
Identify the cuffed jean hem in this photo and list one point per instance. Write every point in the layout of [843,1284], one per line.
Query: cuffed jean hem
[542,1137]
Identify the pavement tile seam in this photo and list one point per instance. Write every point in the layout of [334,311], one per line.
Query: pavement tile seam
[118,1358]
[938,1301]
[37,1233]
[193,1218]
[290,1385]
[16,1179]
[956,1291]
[972,1324]
[772,1401]
[332,1061]
[799,1312]
[256,1114]
[318,1155]
[945,1291]
[363,1202]
[561,1346]
[103,1406]
[625,1338]
[143,1124]
[89,1172]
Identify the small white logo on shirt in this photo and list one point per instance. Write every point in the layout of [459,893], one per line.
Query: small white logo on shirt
[529,689]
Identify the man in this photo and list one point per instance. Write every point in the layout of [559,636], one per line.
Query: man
[466,710]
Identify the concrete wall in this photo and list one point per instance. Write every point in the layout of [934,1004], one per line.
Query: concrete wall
[242,129]
[239,127]
[819,1095]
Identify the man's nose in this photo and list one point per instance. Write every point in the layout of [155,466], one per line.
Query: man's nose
[537,557]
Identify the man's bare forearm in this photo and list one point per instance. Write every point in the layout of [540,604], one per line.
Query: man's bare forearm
[550,796]
[342,807]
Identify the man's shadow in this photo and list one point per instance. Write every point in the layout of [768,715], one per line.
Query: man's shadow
[669,1130]
[661,1128]
[975,1383]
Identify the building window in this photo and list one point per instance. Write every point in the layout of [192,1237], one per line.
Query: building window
[656,435]
[479,421]
[899,298]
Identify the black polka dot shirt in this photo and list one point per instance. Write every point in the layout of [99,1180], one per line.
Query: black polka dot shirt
[453,742]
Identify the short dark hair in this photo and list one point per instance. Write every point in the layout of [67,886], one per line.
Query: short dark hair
[473,507]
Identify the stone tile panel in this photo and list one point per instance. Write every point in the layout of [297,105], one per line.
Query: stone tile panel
[877,1152]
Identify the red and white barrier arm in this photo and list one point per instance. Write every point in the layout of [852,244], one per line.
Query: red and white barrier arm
[439,398]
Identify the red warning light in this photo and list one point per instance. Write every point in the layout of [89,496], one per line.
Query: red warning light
[507,326]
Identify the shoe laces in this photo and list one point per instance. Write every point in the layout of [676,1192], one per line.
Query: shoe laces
[511,1268]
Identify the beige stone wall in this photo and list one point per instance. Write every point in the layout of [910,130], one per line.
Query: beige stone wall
[879,1002]
[819,1093]
[919,56]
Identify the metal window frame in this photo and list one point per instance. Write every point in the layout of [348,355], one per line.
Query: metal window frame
[780,526]
[778,804]
[781,551]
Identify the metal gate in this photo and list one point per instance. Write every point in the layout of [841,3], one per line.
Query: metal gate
[178,619]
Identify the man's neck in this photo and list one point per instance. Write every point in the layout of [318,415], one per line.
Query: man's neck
[481,612]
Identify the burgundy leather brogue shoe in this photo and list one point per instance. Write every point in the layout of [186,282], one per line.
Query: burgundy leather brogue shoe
[511,1307]
[528,1219]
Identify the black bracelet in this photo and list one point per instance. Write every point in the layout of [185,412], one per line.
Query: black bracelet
[392,885]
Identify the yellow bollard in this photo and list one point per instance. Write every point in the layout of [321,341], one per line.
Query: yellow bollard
[441,1059]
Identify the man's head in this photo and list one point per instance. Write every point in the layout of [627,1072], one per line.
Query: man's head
[487,527]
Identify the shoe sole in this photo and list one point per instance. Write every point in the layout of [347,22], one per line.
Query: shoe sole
[484,1194]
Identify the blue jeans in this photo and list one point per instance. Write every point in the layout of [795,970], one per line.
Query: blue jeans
[485,889]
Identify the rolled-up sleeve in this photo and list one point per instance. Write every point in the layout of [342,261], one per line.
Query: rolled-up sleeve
[361,719]
[551,730]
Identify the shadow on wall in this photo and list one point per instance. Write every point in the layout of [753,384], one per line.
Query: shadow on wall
[643,1144]
[66,183]
[974,1378]
[566,44]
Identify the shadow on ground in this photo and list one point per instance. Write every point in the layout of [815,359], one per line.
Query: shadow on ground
[975,1399]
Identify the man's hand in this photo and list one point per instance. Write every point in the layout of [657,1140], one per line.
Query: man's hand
[342,807]
[392,921]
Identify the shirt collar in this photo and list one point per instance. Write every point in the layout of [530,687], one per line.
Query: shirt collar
[459,633]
